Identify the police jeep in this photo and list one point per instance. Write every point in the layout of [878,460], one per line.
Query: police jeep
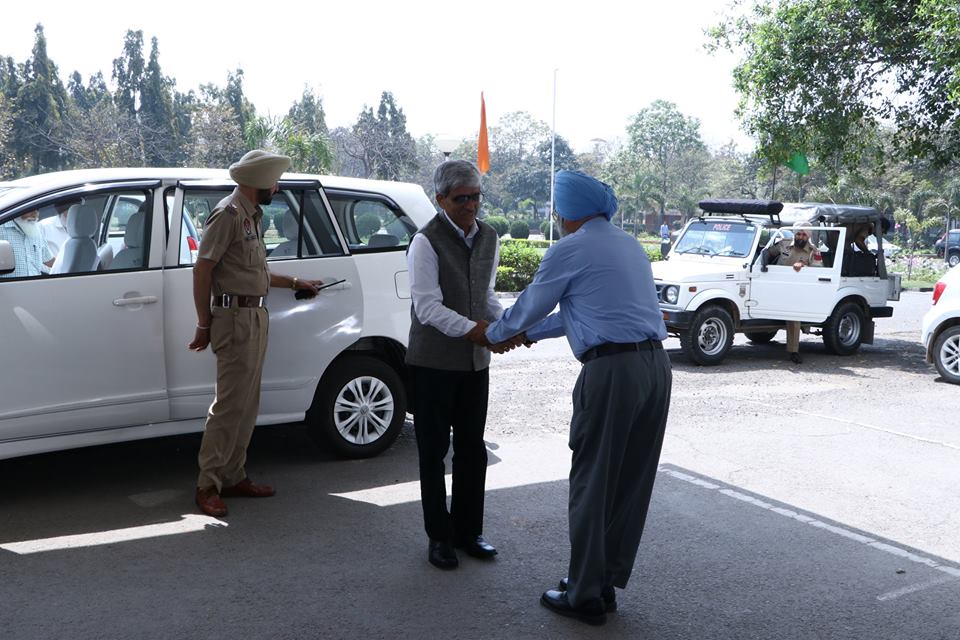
[716,281]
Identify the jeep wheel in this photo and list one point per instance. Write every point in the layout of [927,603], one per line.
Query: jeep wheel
[954,259]
[709,337]
[359,407]
[843,330]
[946,354]
[760,337]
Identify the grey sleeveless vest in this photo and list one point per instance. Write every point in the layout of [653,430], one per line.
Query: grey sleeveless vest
[464,279]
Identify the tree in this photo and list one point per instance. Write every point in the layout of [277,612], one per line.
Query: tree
[128,72]
[161,139]
[821,75]
[216,139]
[38,108]
[663,143]
[381,142]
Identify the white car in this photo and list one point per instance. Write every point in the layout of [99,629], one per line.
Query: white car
[716,280]
[940,330]
[97,351]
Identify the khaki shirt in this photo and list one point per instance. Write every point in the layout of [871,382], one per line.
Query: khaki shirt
[232,238]
[789,255]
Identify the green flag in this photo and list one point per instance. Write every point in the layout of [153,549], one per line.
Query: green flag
[798,162]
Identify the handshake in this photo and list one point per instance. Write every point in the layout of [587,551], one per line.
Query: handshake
[478,335]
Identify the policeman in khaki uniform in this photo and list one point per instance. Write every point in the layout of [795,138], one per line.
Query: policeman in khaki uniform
[798,253]
[230,283]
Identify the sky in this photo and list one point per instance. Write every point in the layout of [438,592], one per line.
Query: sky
[610,58]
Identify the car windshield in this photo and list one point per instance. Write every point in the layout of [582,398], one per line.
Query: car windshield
[717,238]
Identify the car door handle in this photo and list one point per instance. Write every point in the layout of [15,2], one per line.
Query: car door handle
[123,302]
[824,279]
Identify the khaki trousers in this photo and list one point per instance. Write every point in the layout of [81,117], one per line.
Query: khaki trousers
[238,338]
[793,336]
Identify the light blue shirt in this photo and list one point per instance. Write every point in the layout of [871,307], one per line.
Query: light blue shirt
[601,278]
[29,252]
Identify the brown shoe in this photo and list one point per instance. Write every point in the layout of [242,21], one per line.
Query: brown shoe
[246,489]
[210,503]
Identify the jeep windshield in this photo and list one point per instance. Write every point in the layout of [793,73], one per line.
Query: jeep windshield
[727,238]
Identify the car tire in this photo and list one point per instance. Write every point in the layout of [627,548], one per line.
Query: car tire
[843,330]
[760,337]
[946,354]
[359,407]
[954,259]
[709,337]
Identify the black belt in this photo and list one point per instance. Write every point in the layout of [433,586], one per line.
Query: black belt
[612,348]
[231,300]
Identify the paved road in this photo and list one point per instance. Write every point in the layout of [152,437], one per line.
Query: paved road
[793,502]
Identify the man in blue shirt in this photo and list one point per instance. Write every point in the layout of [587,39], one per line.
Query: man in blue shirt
[30,250]
[601,278]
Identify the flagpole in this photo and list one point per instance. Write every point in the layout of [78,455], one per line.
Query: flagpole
[553,152]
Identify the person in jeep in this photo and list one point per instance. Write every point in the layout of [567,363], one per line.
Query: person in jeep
[798,253]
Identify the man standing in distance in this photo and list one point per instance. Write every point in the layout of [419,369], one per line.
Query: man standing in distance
[230,284]
[601,278]
[453,265]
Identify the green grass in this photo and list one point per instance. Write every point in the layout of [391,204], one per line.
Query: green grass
[917,284]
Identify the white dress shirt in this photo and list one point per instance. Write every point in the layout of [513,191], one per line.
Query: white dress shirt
[425,291]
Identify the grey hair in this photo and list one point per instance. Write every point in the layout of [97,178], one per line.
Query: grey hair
[454,174]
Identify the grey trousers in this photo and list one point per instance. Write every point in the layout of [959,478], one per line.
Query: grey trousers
[620,405]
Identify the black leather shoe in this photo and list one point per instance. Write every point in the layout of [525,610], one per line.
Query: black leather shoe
[607,594]
[477,547]
[795,357]
[441,555]
[592,612]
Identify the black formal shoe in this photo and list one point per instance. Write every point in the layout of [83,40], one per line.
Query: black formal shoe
[592,612]
[477,547]
[442,555]
[795,357]
[607,594]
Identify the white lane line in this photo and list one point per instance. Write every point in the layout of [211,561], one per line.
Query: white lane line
[920,586]
[520,464]
[190,523]
[872,427]
[813,522]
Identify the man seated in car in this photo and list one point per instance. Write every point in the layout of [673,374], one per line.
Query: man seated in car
[30,251]
[798,253]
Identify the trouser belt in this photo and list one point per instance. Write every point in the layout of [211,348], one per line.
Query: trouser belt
[232,300]
[612,348]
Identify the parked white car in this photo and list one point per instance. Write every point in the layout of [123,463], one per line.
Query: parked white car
[715,281]
[940,330]
[97,352]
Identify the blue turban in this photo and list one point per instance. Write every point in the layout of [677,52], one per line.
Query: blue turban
[579,196]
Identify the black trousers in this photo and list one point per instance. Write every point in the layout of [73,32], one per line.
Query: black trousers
[445,400]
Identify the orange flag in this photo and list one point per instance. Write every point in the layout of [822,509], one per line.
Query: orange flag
[483,149]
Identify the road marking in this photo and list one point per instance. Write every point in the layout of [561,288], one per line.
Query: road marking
[920,586]
[813,522]
[189,523]
[872,427]
[520,464]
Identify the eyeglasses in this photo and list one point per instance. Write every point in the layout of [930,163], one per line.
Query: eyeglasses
[467,197]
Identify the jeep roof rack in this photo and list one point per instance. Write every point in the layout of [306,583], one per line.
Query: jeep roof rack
[766,208]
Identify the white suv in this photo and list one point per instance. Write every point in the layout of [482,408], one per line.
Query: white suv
[716,282]
[97,351]
[940,332]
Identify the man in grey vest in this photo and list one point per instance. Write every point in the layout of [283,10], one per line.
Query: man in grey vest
[453,265]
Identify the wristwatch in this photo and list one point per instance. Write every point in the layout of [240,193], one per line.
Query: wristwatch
[294,283]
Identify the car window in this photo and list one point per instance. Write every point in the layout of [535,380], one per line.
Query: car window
[283,234]
[299,227]
[371,223]
[717,239]
[106,231]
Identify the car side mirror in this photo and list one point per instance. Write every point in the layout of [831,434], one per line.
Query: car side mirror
[7,262]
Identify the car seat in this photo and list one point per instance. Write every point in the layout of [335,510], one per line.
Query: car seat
[131,256]
[79,251]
